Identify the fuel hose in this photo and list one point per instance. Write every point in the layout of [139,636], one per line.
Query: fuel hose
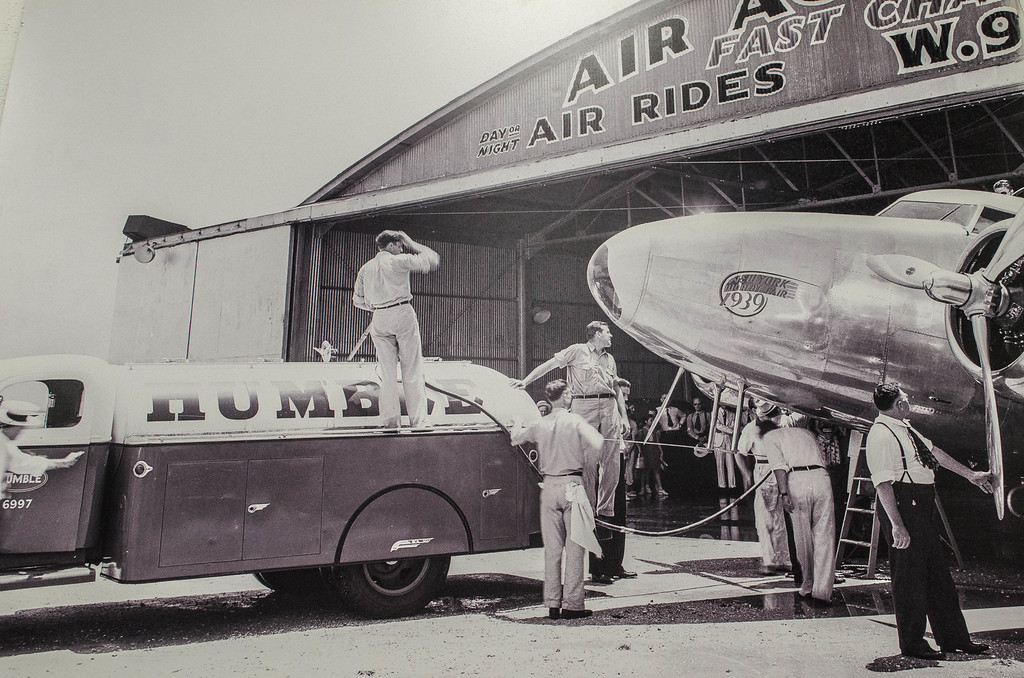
[531,458]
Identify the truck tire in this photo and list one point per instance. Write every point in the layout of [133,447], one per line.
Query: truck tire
[392,588]
[293,582]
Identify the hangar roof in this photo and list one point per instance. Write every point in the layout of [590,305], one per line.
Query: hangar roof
[674,107]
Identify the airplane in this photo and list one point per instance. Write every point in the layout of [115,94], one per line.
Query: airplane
[813,310]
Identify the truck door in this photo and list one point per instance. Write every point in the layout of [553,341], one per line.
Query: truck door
[55,511]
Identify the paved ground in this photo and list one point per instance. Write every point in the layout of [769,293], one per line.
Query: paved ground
[698,609]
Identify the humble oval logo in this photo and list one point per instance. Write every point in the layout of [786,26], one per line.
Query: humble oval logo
[24,482]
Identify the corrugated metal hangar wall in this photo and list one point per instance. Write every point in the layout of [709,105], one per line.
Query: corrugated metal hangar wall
[468,309]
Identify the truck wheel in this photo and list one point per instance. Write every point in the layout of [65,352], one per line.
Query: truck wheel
[292,582]
[391,588]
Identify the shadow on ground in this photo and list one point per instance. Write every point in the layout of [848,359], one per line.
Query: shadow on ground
[158,622]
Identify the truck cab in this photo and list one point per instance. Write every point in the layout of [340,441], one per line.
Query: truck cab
[54,519]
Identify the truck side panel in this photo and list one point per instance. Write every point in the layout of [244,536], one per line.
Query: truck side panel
[227,507]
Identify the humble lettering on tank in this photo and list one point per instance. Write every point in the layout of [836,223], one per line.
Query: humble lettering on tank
[239,401]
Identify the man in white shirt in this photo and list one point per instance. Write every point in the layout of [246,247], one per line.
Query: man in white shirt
[382,287]
[769,513]
[566,446]
[806,494]
[901,462]
[593,378]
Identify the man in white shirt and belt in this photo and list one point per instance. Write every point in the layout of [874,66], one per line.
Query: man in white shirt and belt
[382,287]
[901,462]
[806,494]
[567,446]
[593,378]
[769,513]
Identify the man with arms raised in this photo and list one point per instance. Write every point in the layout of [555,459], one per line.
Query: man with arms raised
[382,287]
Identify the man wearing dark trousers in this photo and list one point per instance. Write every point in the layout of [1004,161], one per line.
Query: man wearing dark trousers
[613,543]
[901,463]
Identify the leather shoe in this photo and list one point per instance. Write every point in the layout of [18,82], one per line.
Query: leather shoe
[623,574]
[601,579]
[968,648]
[576,614]
[554,613]
[925,652]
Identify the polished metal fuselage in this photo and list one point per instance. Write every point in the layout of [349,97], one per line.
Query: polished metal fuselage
[785,303]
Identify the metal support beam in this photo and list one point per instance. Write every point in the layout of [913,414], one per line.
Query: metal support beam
[743,185]
[536,241]
[654,202]
[724,195]
[952,148]
[774,166]
[814,204]
[521,249]
[924,144]
[1003,129]
[875,188]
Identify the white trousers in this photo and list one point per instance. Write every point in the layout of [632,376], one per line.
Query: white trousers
[396,336]
[814,530]
[770,521]
[556,530]
[602,478]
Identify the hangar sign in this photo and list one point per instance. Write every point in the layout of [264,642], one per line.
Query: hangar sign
[712,60]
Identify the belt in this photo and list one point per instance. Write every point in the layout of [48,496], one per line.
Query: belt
[594,395]
[564,475]
[397,303]
[807,468]
[760,461]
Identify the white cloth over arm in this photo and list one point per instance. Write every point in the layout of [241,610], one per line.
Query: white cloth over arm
[582,530]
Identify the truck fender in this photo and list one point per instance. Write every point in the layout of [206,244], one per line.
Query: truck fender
[405,521]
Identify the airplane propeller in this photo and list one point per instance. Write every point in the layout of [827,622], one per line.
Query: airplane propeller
[981,295]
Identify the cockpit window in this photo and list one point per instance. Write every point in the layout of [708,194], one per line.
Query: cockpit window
[991,215]
[601,283]
[939,211]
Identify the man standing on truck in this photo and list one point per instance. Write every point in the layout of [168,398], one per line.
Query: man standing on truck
[598,399]
[566,446]
[382,287]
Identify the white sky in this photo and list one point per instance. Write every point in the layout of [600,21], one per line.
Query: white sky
[206,111]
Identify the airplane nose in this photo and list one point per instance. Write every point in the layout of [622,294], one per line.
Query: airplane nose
[680,286]
[618,272]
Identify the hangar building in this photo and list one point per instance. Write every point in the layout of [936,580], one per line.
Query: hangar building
[667,108]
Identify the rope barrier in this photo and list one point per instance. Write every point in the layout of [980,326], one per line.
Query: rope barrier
[617,528]
[684,528]
[698,450]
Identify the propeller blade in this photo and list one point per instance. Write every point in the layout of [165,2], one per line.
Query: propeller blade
[1010,249]
[903,270]
[995,446]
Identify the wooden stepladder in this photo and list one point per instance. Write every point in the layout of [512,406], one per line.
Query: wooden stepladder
[859,485]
